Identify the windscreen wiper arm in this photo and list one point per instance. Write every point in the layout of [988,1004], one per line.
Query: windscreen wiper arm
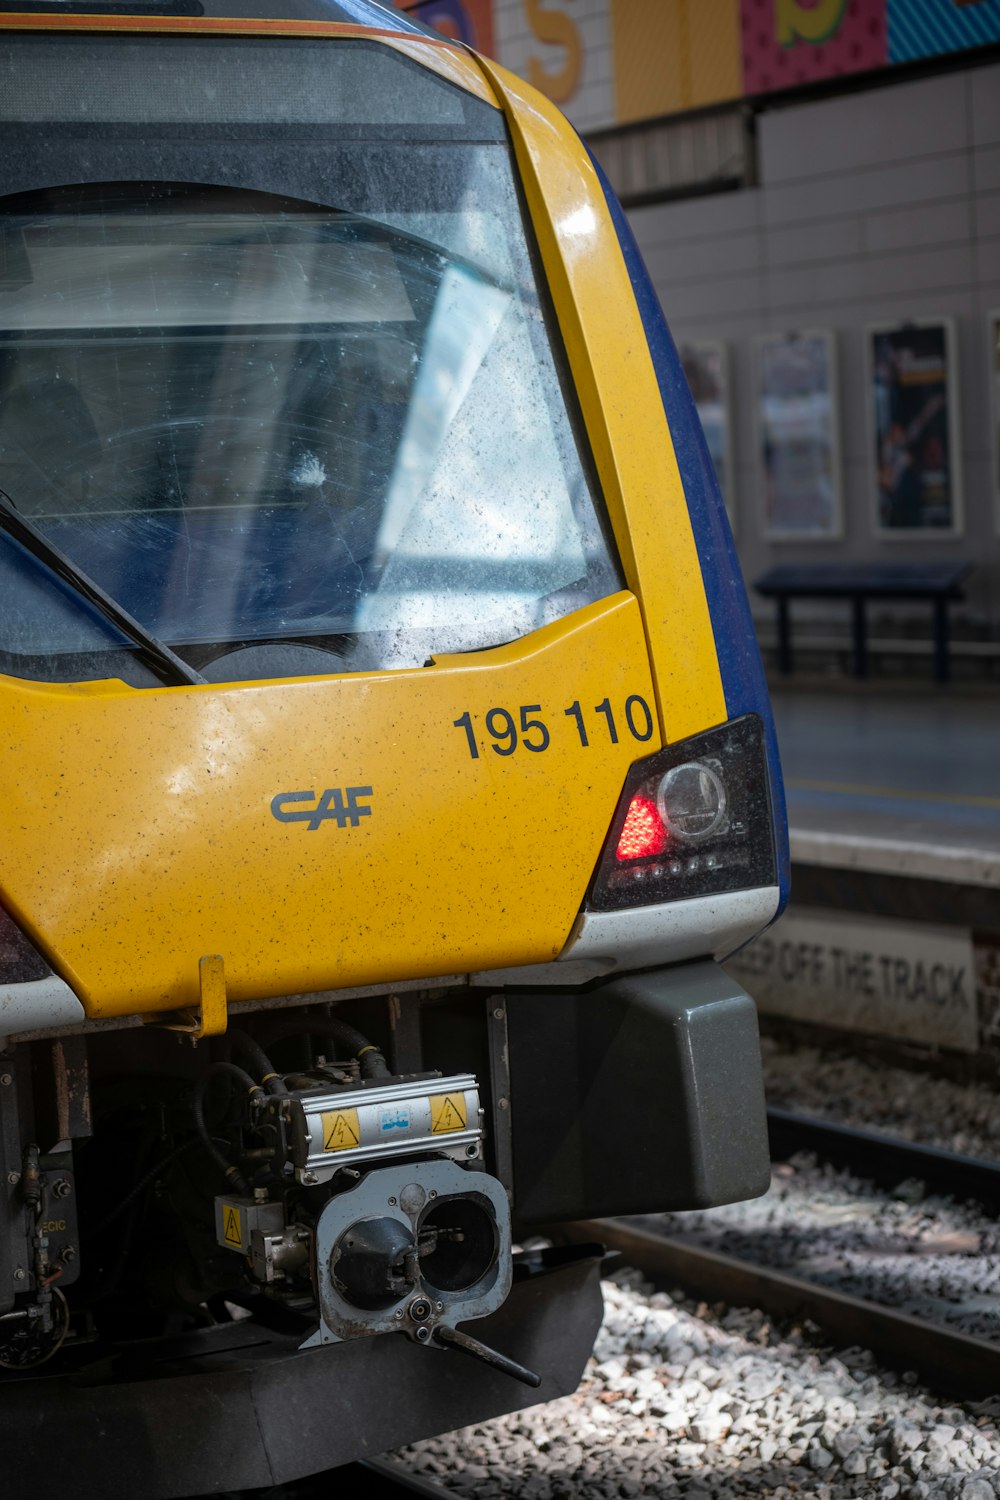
[156,655]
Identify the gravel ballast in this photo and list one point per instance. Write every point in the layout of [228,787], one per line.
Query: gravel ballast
[930,1256]
[713,1404]
[914,1105]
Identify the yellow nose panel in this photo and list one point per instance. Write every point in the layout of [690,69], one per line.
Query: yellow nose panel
[320,833]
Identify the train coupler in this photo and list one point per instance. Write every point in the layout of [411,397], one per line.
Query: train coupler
[415,1248]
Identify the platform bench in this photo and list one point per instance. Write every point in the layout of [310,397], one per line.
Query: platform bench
[940,584]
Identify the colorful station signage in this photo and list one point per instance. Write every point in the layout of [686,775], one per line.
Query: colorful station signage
[610,62]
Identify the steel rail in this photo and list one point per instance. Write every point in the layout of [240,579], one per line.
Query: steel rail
[374,1478]
[382,1478]
[884,1159]
[951,1362]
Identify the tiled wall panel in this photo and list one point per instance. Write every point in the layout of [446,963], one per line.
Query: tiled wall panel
[841,134]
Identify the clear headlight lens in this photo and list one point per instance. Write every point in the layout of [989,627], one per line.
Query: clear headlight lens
[692,800]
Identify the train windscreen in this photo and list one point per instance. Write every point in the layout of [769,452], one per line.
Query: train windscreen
[288,436]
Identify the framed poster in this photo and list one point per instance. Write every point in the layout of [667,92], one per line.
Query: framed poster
[706,366]
[993,337]
[798,434]
[915,452]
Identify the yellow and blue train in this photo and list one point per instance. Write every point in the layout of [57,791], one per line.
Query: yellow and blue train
[386,759]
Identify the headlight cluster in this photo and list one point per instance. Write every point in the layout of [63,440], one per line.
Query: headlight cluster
[694,819]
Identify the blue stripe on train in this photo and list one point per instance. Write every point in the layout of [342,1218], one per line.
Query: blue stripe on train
[735,642]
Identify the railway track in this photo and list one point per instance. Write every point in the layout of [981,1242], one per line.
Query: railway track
[884,1159]
[374,1478]
[947,1360]
[381,1479]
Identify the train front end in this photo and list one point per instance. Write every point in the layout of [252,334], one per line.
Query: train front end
[386,758]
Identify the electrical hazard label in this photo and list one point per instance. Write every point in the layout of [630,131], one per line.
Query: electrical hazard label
[448,1113]
[232,1232]
[341,1130]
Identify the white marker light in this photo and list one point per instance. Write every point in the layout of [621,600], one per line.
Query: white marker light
[691,799]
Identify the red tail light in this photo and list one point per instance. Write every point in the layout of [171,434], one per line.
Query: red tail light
[643,832]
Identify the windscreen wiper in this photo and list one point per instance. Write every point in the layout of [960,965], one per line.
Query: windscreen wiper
[156,655]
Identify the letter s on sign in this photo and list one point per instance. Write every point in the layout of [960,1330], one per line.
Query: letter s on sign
[557,28]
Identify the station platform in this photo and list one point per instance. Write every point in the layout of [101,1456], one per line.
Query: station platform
[898,782]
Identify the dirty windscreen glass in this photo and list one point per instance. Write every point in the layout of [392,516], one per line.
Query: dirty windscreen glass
[290,435]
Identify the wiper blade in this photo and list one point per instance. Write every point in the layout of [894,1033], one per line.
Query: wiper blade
[155,653]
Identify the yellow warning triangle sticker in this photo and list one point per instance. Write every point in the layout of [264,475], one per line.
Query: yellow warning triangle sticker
[341,1130]
[448,1113]
[232,1233]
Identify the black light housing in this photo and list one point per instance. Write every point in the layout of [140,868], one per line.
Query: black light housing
[20,960]
[693,820]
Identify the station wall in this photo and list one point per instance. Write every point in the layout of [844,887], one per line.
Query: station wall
[881,207]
